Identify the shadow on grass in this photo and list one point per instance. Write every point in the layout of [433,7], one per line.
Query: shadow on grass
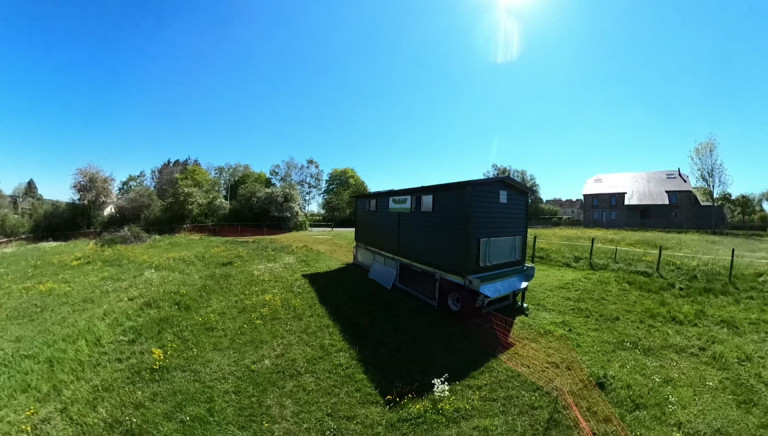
[402,342]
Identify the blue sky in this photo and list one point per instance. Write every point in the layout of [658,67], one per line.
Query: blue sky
[406,92]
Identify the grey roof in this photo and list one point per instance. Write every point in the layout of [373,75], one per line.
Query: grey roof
[640,188]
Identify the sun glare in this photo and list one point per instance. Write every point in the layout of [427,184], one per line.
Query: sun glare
[508,40]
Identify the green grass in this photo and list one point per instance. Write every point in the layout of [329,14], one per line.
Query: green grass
[279,335]
[267,336]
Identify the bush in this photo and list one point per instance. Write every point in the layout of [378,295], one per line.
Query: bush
[12,225]
[125,236]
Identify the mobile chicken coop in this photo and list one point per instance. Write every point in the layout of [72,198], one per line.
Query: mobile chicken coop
[459,245]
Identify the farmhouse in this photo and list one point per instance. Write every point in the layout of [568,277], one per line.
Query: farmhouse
[463,243]
[656,199]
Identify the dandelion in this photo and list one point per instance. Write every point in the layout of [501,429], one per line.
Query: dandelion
[159,357]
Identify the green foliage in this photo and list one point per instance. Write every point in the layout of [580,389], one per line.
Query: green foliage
[194,197]
[57,216]
[93,189]
[256,203]
[12,225]
[126,236]
[307,176]
[249,177]
[284,205]
[708,169]
[226,175]
[541,210]
[132,182]
[164,176]
[520,175]
[340,187]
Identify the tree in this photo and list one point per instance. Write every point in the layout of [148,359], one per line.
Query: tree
[520,175]
[284,204]
[226,175]
[4,203]
[30,190]
[258,203]
[340,187]
[93,189]
[164,176]
[745,207]
[709,171]
[194,197]
[132,182]
[308,178]
[249,177]
[136,201]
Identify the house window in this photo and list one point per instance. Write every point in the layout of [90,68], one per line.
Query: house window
[613,200]
[595,202]
[372,205]
[426,203]
[595,215]
[613,214]
[673,198]
[502,196]
[674,216]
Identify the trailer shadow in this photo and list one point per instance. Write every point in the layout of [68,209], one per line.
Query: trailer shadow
[402,342]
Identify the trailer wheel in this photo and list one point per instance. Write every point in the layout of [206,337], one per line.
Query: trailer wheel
[460,301]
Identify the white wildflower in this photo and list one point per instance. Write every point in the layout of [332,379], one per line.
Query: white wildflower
[440,387]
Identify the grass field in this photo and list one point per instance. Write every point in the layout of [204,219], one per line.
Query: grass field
[280,335]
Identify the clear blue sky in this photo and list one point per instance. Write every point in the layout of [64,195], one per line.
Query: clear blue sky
[406,92]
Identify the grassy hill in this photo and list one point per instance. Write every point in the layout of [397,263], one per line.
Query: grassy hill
[186,335]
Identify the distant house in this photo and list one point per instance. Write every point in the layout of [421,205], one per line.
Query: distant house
[570,208]
[656,199]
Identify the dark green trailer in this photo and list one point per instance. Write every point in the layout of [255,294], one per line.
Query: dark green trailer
[458,244]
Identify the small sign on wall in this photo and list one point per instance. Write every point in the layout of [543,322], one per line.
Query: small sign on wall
[400,204]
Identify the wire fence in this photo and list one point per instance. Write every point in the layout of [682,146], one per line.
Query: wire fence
[597,255]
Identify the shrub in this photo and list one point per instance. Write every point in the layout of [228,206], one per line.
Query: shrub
[12,225]
[125,236]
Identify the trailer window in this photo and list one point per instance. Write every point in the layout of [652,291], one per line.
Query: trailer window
[426,203]
[372,205]
[500,250]
[502,196]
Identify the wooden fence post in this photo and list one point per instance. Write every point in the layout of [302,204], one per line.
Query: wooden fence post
[533,252]
[591,250]
[658,262]
[730,273]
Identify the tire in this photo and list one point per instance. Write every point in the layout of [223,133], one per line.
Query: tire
[459,301]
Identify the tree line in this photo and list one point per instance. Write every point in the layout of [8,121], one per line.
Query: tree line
[182,191]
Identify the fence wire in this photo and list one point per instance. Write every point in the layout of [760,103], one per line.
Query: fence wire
[655,252]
